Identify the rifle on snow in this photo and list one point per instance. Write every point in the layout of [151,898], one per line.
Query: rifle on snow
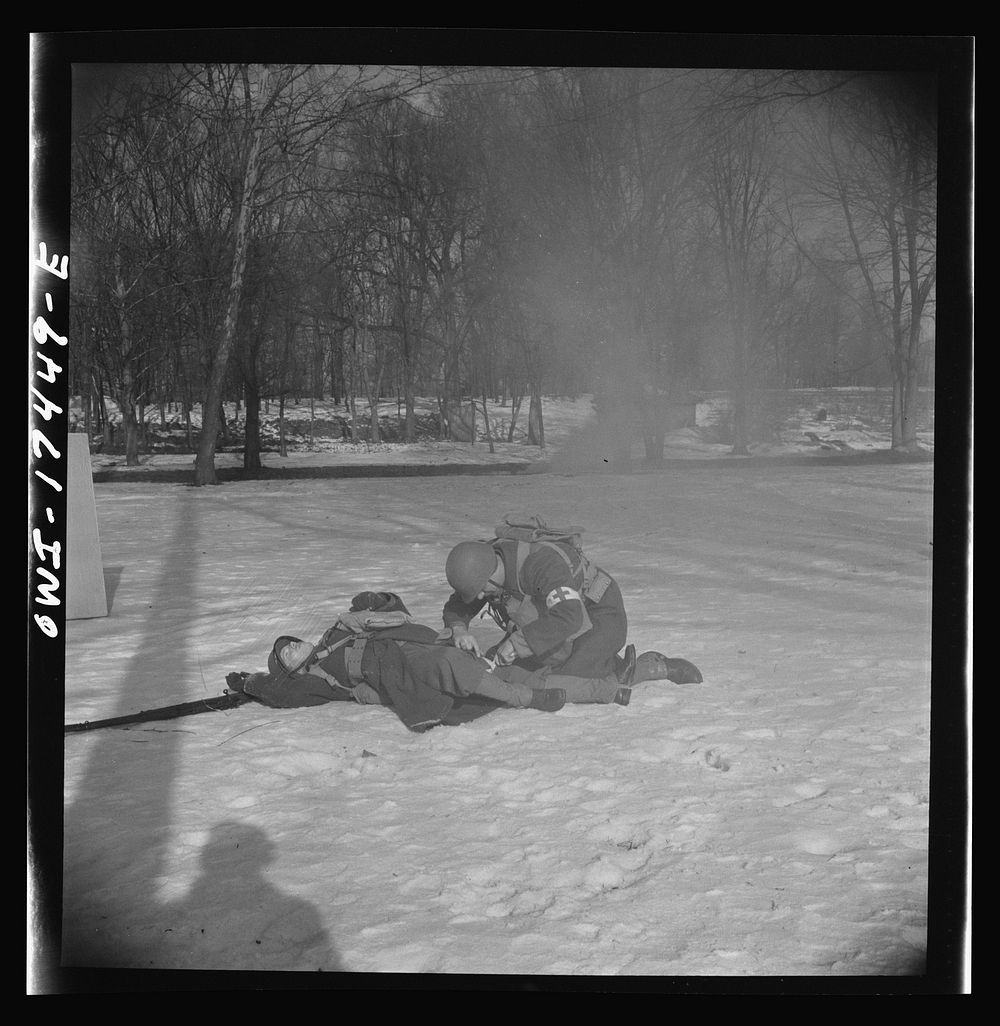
[230,700]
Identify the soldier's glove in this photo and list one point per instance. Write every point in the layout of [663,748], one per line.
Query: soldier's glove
[235,681]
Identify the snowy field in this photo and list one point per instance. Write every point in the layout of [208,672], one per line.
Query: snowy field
[770,822]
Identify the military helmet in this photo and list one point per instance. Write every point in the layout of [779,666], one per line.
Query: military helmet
[275,663]
[469,567]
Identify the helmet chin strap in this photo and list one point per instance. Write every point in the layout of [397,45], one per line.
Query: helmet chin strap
[497,572]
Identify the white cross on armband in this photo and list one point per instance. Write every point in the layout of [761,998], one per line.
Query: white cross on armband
[561,595]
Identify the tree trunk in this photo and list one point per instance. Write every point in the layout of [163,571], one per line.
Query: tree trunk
[486,423]
[536,424]
[372,390]
[740,405]
[319,355]
[410,424]
[653,429]
[338,366]
[515,409]
[904,409]
[131,426]
[99,411]
[141,424]
[251,444]
[126,389]
[107,427]
[911,413]
[905,383]
[374,431]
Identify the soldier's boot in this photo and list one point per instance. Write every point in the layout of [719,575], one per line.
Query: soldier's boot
[656,666]
[626,675]
[548,699]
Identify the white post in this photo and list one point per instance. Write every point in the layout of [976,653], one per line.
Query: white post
[85,594]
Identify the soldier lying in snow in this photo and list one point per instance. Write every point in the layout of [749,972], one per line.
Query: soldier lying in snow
[375,654]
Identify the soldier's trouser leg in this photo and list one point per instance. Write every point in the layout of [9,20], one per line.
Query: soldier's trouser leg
[579,690]
[509,692]
[584,689]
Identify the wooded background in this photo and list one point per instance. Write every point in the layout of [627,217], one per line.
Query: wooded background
[246,231]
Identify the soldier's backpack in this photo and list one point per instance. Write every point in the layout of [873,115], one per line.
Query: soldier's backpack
[371,614]
[567,541]
[535,529]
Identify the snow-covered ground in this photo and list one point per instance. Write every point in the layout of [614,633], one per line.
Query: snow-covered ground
[772,821]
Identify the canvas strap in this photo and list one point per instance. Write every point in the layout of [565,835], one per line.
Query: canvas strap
[354,647]
[595,580]
[352,659]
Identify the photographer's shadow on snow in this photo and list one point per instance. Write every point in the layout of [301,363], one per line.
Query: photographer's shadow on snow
[235,918]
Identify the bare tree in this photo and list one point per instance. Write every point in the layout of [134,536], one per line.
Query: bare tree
[866,160]
[267,124]
[879,166]
[124,237]
[741,192]
[257,98]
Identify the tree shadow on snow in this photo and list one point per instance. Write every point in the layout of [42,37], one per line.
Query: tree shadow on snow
[116,839]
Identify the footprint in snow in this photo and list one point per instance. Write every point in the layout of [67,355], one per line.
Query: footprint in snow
[801,792]
[623,832]
[820,842]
